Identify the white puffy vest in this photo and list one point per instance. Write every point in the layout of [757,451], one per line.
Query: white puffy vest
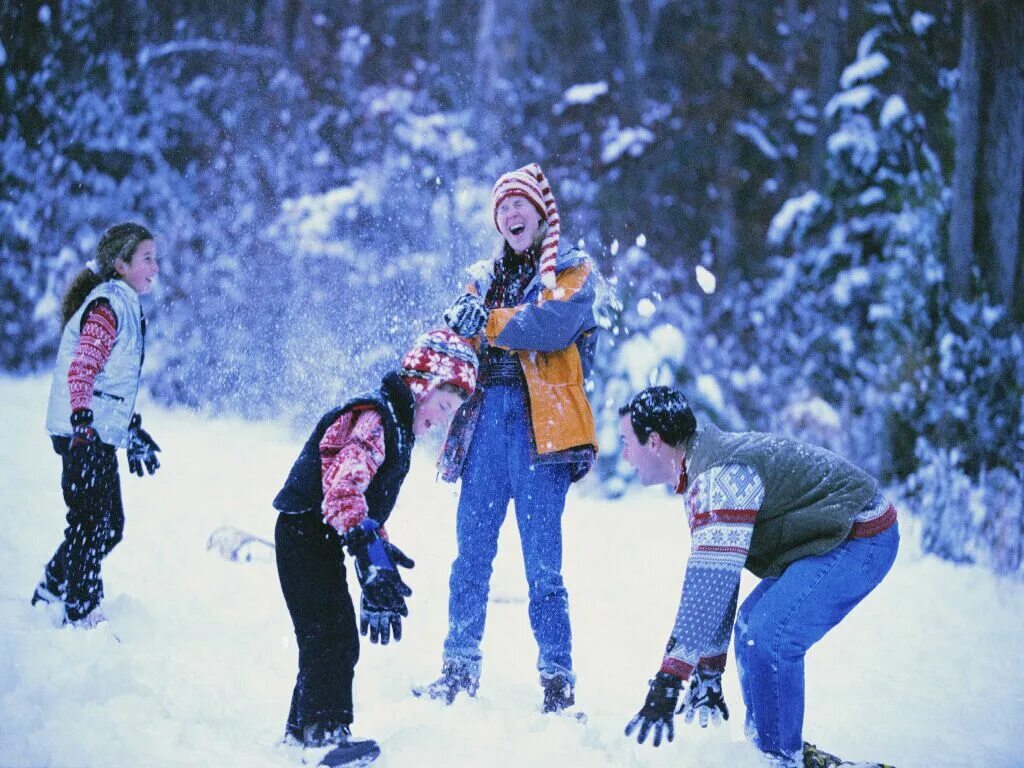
[117,384]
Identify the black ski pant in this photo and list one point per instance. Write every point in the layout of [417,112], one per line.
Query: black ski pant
[311,567]
[95,524]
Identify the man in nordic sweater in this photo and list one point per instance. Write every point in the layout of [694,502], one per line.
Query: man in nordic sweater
[816,530]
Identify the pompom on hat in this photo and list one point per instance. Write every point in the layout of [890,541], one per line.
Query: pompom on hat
[531,183]
[440,357]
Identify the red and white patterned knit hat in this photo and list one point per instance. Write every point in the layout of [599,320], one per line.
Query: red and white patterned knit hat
[531,183]
[440,357]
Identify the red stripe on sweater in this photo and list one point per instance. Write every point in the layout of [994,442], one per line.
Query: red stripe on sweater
[727,516]
[727,550]
[870,528]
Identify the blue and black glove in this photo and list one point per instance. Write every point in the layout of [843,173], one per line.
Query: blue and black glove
[142,449]
[467,316]
[657,710]
[383,603]
[704,698]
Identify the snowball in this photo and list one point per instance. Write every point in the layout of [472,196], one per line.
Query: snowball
[706,279]
[584,93]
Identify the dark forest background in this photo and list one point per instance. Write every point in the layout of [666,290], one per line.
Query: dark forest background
[808,213]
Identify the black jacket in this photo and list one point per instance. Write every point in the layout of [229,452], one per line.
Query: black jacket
[303,490]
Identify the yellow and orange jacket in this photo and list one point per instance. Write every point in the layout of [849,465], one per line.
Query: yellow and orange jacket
[552,334]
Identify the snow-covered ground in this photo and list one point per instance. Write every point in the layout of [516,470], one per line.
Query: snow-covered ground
[929,671]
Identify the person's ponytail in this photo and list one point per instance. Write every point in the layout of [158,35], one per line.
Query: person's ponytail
[80,287]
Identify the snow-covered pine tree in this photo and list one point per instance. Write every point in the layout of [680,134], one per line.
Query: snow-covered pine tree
[858,279]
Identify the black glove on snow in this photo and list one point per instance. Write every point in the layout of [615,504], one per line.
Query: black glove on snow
[85,442]
[383,603]
[704,698]
[142,448]
[658,709]
[467,316]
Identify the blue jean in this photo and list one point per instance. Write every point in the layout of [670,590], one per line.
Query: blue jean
[783,617]
[500,467]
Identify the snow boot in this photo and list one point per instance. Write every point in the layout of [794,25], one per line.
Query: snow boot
[316,735]
[558,692]
[819,758]
[455,677]
[91,620]
[44,595]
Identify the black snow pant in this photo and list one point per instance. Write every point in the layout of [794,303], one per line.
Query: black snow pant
[311,567]
[92,491]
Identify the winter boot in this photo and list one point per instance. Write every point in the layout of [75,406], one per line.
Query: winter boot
[819,758]
[558,692]
[454,677]
[44,595]
[93,619]
[317,735]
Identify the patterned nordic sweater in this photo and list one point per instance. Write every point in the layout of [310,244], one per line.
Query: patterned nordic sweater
[722,505]
[95,342]
[351,452]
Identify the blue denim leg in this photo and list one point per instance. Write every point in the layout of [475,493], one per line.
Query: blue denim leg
[539,491]
[483,502]
[782,618]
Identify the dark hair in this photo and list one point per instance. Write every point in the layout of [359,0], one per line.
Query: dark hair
[663,410]
[118,242]
[446,387]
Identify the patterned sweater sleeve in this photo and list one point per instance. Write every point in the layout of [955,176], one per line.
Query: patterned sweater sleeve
[351,452]
[95,342]
[722,505]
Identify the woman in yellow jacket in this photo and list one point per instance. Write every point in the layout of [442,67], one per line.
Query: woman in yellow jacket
[526,434]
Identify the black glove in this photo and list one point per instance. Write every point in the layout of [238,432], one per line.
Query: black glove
[383,603]
[142,448]
[85,442]
[467,316]
[704,697]
[658,709]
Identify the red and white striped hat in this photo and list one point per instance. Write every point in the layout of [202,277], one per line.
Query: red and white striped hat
[531,183]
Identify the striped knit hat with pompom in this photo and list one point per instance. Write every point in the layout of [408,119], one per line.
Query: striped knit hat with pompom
[440,357]
[531,183]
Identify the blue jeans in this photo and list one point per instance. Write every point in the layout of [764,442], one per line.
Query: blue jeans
[499,467]
[783,617]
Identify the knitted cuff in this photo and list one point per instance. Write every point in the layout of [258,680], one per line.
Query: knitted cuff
[678,668]
[81,417]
